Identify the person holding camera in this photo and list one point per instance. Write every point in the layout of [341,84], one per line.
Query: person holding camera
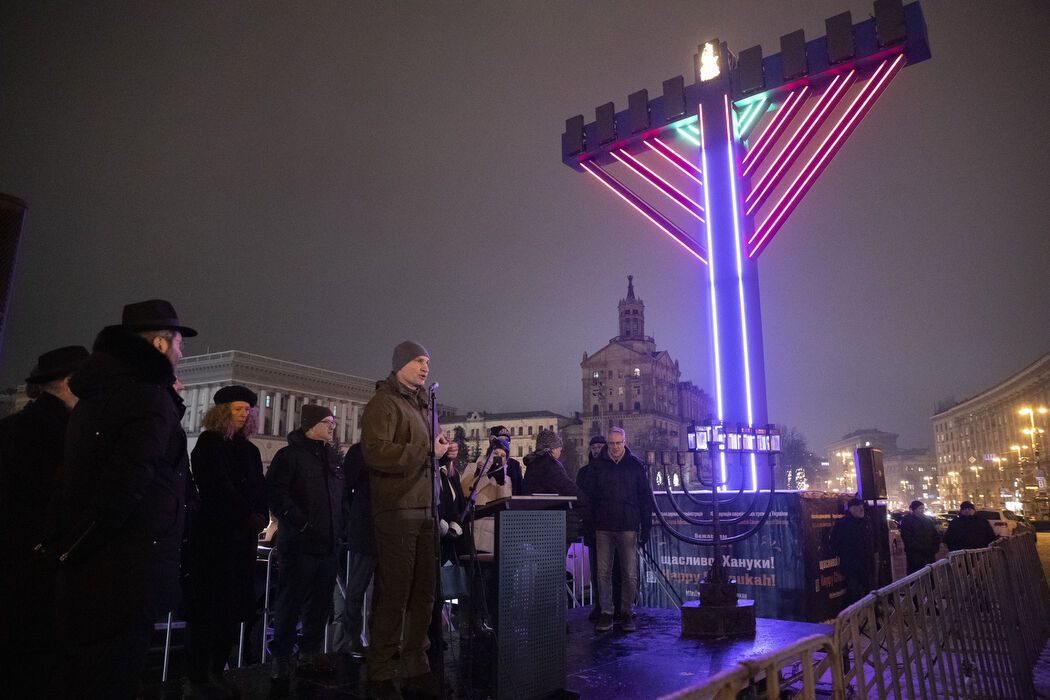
[488,481]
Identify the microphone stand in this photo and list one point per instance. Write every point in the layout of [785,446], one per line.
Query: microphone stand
[435,488]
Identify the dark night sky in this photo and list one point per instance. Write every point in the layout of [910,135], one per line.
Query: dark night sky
[319,181]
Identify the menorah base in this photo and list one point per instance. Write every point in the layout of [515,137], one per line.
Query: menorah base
[734,620]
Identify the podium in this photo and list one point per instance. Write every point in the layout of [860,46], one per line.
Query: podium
[530,568]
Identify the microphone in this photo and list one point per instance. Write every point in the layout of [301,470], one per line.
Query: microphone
[434,387]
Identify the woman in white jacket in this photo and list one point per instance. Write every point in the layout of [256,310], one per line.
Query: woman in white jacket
[490,473]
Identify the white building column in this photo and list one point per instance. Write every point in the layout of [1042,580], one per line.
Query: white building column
[292,413]
[275,426]
[201,406]
[260,409]
[344,409]
[188,397]
[355,422]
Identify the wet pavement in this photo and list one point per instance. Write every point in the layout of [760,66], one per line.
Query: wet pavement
[647,663]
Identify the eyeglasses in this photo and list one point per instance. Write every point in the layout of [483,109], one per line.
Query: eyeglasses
[329,422]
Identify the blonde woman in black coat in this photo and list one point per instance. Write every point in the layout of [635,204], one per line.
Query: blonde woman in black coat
[223,536]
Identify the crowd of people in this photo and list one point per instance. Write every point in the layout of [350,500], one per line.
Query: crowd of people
[108,524]
[852,540]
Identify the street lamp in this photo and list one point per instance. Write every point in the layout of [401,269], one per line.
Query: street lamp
[1032,431]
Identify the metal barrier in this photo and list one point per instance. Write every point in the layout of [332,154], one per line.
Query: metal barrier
[795,668]
[968,626]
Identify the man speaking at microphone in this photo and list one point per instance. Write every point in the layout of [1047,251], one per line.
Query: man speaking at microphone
[396,441]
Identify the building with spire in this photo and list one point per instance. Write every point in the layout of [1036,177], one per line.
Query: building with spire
[632,384]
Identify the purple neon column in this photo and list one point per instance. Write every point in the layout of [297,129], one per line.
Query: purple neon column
[736,325]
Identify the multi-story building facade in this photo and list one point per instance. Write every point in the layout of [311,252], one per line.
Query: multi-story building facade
[283,387]
[523,427]
[910,473]
[631,384]
[983,453]
[842,472]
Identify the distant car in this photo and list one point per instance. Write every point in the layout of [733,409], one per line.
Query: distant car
[1004,522]
[1022,521]
[941,522]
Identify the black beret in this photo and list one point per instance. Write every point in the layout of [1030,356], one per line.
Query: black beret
[598,440]
[236,392]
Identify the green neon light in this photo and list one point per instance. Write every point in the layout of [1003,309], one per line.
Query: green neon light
[684,122]
[749,116]
[684,133]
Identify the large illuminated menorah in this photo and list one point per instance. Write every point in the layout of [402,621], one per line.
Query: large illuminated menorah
[720,164]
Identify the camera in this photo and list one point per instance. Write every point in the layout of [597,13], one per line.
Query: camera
[497,462]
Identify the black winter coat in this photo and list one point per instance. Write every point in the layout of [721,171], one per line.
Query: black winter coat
[450,509]
[544,474]
[307,493]
[224,530]
[921,539]
[969,532]
[32,443]
[852,541]
[122,496]
[517,481]
[619,495]
[585,482]
[361,536]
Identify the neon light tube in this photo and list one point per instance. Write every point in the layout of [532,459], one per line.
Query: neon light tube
[688,137]
[771,133]
[673,193]
[672,156]
[645,210]
[745,343]
[814,119]
[819,159]
[711,281]
[749,119]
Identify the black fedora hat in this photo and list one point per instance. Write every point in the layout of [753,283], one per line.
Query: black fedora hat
[153,315]
[57,363]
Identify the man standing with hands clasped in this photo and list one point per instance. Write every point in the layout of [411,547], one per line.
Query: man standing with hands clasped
[622,516]
[396,440]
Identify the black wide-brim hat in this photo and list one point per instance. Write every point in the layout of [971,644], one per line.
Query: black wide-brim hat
[57,363]
[154,315]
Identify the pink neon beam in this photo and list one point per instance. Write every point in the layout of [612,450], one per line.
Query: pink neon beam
[790,199]
[639,205]
[672,192]
[771,133]
[672,156]
[799,139]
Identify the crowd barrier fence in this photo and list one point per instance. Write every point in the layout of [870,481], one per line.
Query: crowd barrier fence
[970,626]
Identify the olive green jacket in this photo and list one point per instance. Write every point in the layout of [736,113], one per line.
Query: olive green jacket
[395,439]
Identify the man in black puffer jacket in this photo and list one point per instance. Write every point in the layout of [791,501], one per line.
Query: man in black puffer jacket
[621,513]
[307,493]
[121,500]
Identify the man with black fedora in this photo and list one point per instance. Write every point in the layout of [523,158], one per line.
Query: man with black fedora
[120,503]
[32,443]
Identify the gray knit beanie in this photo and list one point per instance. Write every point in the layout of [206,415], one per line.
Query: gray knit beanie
[407,351]
[547,440]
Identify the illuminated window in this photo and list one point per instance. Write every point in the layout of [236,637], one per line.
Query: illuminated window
[637,372]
